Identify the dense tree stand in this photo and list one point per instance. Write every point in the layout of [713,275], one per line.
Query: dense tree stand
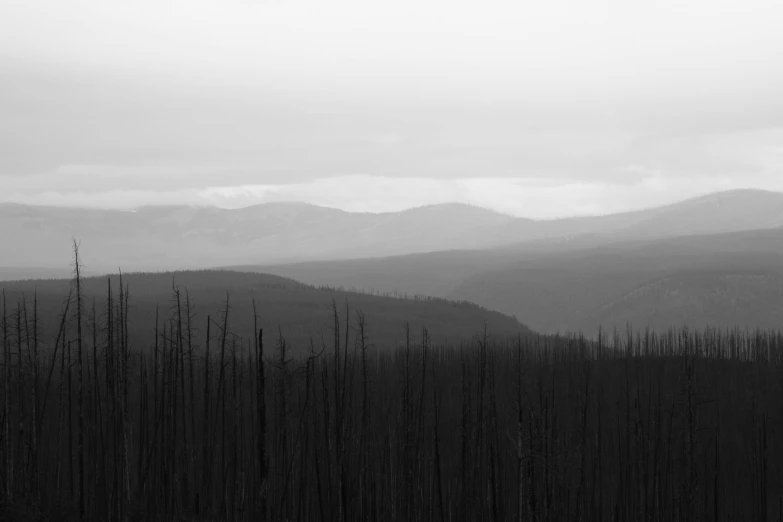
[100,426]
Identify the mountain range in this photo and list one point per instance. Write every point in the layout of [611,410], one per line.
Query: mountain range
[167,238]
[155,238]
[713,260]
[722,266]
[733,279]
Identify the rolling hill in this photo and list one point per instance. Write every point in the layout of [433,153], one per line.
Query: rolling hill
[300,311]
[718,213]
[171,238]
[174,238]
[724,279]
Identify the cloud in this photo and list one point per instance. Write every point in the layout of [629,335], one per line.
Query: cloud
[558,49]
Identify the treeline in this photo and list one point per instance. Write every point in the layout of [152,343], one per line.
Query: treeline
[298,309]
[96,425]
[400,295]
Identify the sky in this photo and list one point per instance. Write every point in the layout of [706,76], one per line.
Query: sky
[536,109]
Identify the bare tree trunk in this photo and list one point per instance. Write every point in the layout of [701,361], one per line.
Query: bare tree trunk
[21,395]
[60,422]
[34,423]
[97,405]
[520,455]
[9,470]
[438,466]
[338,413]
[180,363]
[80,377]
[235,429]
[260,391]
[221,401]
[206,460]
[363,463]
[189,315]
[282,424]
[71,477]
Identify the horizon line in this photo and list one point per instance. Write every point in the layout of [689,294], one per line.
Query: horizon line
[404,210]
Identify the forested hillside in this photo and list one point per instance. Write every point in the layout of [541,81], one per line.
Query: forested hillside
[697,281]
[298,310]
[114,420]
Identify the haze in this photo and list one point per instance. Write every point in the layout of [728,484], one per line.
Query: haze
[542,109]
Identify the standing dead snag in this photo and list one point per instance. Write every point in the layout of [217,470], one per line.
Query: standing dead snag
[21,472]
[363,346]
[180,390]
[235,429]
[520,431]
[60,421]
[39,419]
[206,455]
[71,478]
[98,437]
[261,405]
[282,423]
[408,416]
[438,471]
[7,406]
[189,316]
[464,437]
[425,340]
[337,469]
[124,496]
[222,402]
[362,331]
[80,376]
[34,386]
[480,414]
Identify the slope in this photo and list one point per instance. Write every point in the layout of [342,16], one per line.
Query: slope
[168,238]
[157,238]
[580,289]
[300,311]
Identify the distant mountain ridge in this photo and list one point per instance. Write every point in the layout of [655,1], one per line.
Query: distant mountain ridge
[301,313]
[163,238]
[731,279]
[717,213]
[172,237]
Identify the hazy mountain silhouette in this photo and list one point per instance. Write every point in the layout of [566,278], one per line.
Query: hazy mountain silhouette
[154,238]
[717,213]
[165,238]
[724,279]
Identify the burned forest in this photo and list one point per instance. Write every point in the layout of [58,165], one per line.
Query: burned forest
[391,261]
[198,421]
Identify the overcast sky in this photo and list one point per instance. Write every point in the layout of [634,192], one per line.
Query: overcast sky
[534,108]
